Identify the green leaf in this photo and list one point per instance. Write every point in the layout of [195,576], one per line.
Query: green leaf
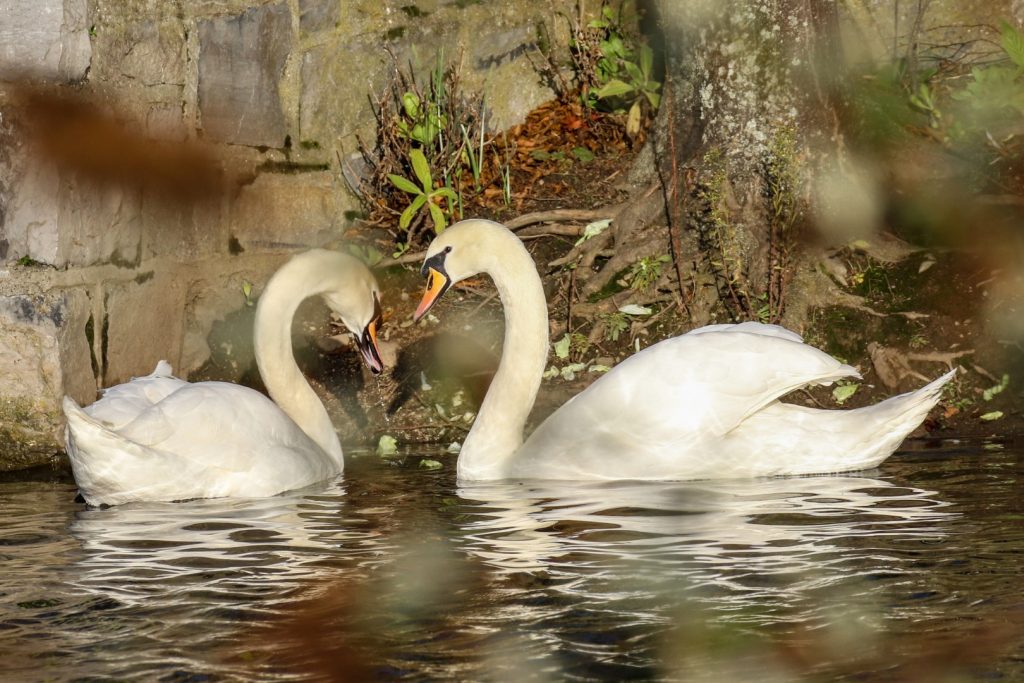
[430,464]
[583,154]
[387,445]
[989,393]
[404,184]
[635,309]
[568,373]
[561,347]
[593,230]
[1013,42]
[406,218]
[438,217]
[653,97]
[411,105]
[613,88]
[634,72]
[421,168]
[646,60]
[843,392]
[446,192]
[994,415]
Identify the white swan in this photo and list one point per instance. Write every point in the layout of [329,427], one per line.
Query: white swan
[159,438]
[703,405]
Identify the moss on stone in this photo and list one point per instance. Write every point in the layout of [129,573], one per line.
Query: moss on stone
[28,433]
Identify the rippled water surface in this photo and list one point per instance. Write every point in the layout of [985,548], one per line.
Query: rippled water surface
[909,572]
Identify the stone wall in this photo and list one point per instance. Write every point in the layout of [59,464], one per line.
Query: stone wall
[100,282]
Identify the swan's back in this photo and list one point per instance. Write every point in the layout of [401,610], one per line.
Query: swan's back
[160,438]
[666,411]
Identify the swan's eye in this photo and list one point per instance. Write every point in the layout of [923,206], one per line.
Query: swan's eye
[447,250]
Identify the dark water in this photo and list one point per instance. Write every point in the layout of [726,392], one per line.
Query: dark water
[913,572]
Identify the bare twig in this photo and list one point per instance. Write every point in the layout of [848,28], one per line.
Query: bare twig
[562,215]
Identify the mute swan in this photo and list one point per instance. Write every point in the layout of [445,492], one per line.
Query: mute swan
[699,406]
[159,438]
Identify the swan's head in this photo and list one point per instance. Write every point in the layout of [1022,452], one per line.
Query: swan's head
[463,250]
[356,300]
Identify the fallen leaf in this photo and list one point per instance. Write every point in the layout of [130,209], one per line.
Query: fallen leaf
[844,392]
[562,346]
[635,309]
[387,445]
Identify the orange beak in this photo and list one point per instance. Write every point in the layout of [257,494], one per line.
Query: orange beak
[437,284]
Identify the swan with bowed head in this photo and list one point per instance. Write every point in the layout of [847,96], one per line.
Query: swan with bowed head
[159,438]
[703,405]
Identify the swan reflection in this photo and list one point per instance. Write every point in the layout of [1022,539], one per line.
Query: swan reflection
[727,536]
[241,546]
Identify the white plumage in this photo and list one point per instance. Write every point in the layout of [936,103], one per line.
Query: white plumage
[704,405]
[159,438]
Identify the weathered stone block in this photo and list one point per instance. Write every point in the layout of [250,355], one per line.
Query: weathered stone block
[144,325]
[46,39]
[337,80]
[31,223]
[184,231]
[218,300]
[318,15]
[62,222]
[98,225]
[44,354]
[287,210]
[241,61]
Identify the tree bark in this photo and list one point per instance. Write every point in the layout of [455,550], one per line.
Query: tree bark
[747,100]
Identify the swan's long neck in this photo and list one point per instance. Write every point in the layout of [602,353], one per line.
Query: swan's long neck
[293,283]
[498,430]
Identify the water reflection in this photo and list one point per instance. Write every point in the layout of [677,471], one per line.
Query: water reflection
[235,547]
[413,577]
[725,538]
[155,589]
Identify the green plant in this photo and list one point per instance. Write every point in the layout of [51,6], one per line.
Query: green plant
[617,67]
[646,271]
[247,292]
[614,325]
[400,250]
[953,395]
[473,157]
[764,309]
[429,155]
[369,254]
[420,123]
[575,344]
[423,195]
[994,90]
[924,101]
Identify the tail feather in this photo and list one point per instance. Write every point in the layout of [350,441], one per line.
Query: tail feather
[816,441]
[895,418]
[103,462]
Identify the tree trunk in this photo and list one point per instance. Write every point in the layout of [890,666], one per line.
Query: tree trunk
[746,105]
